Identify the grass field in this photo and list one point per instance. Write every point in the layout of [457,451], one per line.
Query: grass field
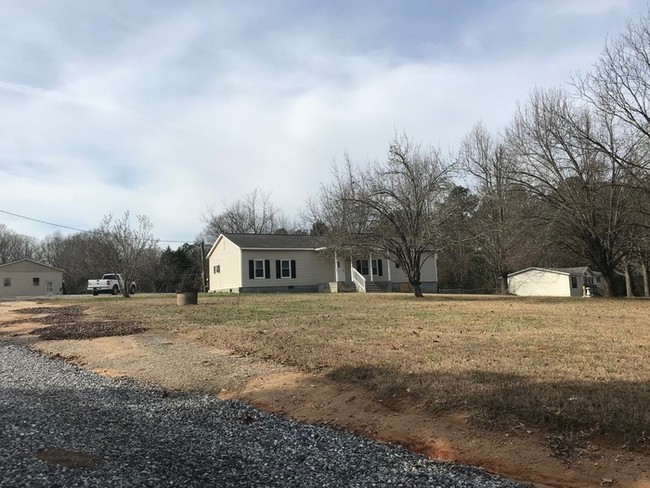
[580,367]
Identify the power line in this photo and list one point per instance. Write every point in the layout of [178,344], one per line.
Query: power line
[43,221]
[25,217]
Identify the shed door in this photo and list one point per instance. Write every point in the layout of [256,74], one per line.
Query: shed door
[48,286]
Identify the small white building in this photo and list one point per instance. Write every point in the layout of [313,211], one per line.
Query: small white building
[261,262]
[555,282]
[29,278]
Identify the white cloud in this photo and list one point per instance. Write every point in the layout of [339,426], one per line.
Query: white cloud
[175,111]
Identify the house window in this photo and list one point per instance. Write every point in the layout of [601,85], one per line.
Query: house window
[598,279]
[285,268]
[36,281]
[7,282]
[259,269]
[589,281]
[362,267]
[216,268]
[574,282]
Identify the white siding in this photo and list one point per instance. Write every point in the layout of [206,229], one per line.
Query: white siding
[227,256]
[428,274]
[537,282]
[312,268]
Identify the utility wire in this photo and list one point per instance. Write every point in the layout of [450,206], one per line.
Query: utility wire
[74,228]
[43,221]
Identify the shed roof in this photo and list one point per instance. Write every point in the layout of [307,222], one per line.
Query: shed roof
[11,264]
[579,270]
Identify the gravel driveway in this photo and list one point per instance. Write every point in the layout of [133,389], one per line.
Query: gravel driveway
[63,426]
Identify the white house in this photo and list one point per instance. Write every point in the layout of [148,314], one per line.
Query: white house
[261,262]
[29,278]
[555,282]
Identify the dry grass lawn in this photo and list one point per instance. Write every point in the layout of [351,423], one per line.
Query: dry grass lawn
[580,367]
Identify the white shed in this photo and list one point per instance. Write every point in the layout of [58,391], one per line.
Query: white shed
[29,278]
[554,282]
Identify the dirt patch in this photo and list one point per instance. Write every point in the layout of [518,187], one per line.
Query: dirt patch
[67,322]
[67,458]
[87,330]
[54,313]
[184,360]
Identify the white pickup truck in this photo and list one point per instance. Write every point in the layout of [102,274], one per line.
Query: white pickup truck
[110,283]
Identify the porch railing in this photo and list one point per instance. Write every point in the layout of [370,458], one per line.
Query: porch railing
[359,281]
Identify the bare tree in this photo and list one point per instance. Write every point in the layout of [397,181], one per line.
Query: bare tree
[583,187]
[14,246]
[639,235]
[339,218]
[57,250]
[81,256]
[619,84]
[641,256]
[618,88]
[254,213]
[127,249]
[401,201]
[500,224]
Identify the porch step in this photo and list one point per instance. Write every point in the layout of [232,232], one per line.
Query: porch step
[373,287]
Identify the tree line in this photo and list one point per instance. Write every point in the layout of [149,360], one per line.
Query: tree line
[564,183]
[118,245]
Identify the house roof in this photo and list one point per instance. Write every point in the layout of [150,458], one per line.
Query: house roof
[30,261]
[580,270]
[274,241]
[271,242]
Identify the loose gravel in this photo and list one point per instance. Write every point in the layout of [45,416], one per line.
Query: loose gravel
[62,426]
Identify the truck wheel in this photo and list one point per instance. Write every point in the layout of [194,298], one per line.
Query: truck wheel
[115,290]
[132,289]
[95,293]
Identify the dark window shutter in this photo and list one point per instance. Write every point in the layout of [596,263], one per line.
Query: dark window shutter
[293,268]
[251,269]
[267,268]
[380,270]
[359,266]
[278,272]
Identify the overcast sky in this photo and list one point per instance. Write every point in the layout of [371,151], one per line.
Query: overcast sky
[167,108]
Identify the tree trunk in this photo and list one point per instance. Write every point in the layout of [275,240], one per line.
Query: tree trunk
[126,287]
[646,280]
[609,283]
[503,279]
[628,281]
[417,291]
